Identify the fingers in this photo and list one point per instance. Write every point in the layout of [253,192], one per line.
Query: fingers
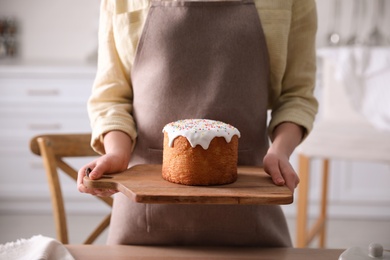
[95,172]
[281,172]
[289,175]
[104,192]
[80,179]
[271,166]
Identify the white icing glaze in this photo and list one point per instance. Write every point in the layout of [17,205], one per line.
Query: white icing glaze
[200,131]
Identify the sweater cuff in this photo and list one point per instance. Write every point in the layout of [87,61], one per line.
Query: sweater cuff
[103,126]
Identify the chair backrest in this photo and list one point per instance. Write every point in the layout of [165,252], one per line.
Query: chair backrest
[53,148]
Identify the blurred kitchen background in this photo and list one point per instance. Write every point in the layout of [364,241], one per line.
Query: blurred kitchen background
[47,66]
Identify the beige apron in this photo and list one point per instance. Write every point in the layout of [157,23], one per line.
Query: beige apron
[200,59]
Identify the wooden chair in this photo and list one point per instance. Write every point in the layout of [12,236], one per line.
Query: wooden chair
[53,148]
[342,134]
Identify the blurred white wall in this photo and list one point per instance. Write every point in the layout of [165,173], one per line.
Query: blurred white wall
[54,30]
[351,17]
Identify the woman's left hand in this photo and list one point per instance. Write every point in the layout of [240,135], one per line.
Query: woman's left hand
[279,168]
[286,137]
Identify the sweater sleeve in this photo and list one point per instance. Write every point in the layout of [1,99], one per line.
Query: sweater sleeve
[296,102]
[110,104]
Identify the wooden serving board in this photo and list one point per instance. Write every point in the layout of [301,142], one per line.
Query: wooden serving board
[144,184]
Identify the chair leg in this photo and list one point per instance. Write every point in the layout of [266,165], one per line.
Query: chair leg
[99,230]
[55,190]
[303,190]
[304,234]
[324,202]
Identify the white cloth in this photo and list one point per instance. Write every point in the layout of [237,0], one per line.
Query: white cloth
[365,73]
[35,248]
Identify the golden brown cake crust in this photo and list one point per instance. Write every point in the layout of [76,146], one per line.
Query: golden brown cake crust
[184,164]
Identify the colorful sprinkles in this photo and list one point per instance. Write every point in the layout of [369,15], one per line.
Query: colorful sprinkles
[200,131]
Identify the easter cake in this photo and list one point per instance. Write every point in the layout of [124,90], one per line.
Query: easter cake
[200,152]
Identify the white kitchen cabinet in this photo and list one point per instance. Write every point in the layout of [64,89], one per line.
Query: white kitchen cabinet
[37,100]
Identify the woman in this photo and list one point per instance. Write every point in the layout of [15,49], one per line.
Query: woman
[164,60]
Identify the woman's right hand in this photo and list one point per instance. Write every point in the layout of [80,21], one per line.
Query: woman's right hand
[118,146]
[106,164]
